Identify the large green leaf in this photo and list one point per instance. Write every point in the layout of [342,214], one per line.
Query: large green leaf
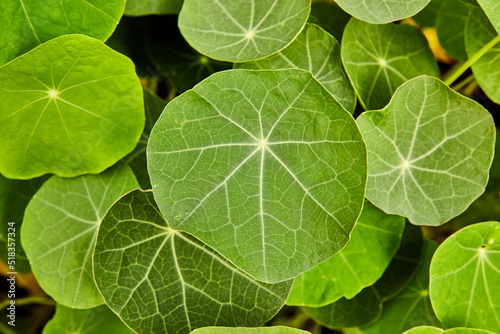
[379,58]
[427,16]
[266,167]
[241,330]
[96,320]
[329,16]
[435,330]
[59,230]
[382,11]
[242,31]
[374,241]
[429,152]
[465,278]
[316,51]
[68,107]
[492,10]
[159,280]
[149,7]
[25,24]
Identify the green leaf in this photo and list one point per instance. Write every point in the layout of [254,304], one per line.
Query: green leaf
[382,11]
[241,330]
[434,330]
[150,7]
[374,241]
[414,301]
[316,51]
[265,167]
[161,280]
[329,16]
[68,107]
[465,278]
[59,230]
[429,152]
[242,31]
[479,32]
[492,10]
[96,320]
[427,16]
[25,24]
[366,306]
[379,58]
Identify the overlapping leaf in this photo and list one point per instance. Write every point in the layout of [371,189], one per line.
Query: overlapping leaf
[265,167]
[492,9]
[435,330]
[150,7]
[241,330]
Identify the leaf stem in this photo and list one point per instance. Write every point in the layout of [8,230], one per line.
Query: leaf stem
[462,68]
[463,83]
[28,300]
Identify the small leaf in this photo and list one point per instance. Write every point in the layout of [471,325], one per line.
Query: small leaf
[379,58]
[152,7]
[465,278]
[435,330]
[266,167]
[160,280]
[59,231]
[316,51]
[70,106]
[429,152]
[241,330]
[242,31]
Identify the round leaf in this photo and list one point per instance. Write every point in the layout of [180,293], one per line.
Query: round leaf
[242,31]
[59,231]
[68,107]
[429,152]
[241,330]
[435,330]
[159,280]
[465,278]
[265,167]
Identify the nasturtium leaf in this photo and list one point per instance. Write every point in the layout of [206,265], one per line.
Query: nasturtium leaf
[427,16]
[59,231]
[242,30]
[382,11]
[366,306]
[25,24]
[329,16]
[242,330]
[95,320]
[465,278]
[316,51]
[150,7]
[486,69]
[435,330]
[429,152]
[414,301]
[492,9]
[379,58]
[266,167]
[70,106]
[159,280]
[374,241]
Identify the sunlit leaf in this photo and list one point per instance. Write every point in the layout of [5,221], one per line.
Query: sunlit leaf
[241,330]
[435,330]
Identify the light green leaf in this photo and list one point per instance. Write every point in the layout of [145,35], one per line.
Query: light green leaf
[96,320]
[159,280]
[465,278]
[25,24]
[68,107]
[379,58]
[59,230]
[434,330]
[241,330]
[242,31]
[329,16]
[150,7]
[374,241]
[382,11]
[265,167]
[316,51]
[429,152]
[366,306]
[478,33]
[492,10]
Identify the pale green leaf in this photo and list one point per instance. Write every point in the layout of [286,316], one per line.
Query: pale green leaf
[492,10]
[316,51]
[382,11]
[70,106]
[465,278]
[59,230]
[159,280]
[241,330]
[25,24]
[379,58]
[96,320]
[374,241]
[435,330]
[266,167]
[429,152]
[242,31]
[152,7]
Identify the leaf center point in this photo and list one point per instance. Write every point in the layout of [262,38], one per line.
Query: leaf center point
[53,93]
[382,62]
[249,34]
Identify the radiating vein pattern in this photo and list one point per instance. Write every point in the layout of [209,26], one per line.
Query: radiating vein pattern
[242,30]
[60,228]
[159,280]
[265,167]
[382,11]
[429,152]
[316,51]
